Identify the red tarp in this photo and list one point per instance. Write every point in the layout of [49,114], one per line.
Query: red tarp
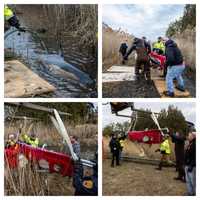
[58,162]
[160,58]
[149,136]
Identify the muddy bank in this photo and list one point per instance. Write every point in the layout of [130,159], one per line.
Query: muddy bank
[130,89]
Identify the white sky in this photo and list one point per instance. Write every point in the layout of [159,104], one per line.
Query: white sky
[188,109]
[148,20]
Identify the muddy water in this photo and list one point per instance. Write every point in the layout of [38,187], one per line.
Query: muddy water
[65,74]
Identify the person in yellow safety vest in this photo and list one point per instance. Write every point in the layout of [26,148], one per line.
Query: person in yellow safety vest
[31,140]
[159,46]
[165,151]
[12,142]
[122,143]
[10,18]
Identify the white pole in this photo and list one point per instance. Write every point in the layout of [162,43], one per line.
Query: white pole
[62,130]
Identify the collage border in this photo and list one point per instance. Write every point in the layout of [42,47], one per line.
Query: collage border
[99,100]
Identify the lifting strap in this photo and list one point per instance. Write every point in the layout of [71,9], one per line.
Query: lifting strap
[57,121]
[153,116]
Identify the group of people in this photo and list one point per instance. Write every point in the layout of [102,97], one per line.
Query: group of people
[174,64]
[185,153]
[116,145]
[30,139]
[85,180]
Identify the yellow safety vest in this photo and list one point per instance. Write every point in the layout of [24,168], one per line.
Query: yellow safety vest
[8,13]
[121,143]
[164,146]
[159,45]
[11,142]
[28,140]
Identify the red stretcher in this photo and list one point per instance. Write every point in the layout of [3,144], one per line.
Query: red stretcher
[159,58]
[11,156]
[148,137]
[57,162]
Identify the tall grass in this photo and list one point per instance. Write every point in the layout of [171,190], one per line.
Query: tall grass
[86,133]
[28,181]
[111,42]
[187,43]
[64,20]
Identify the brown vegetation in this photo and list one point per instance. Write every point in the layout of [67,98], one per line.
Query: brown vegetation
[47,134]
[61,20]
[183,30]
[70,29]
[187,43]
[111,43]
[27,181]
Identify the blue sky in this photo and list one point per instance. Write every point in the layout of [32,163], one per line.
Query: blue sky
[142,19]
[188,109]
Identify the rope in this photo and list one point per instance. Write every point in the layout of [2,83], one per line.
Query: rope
[136,118]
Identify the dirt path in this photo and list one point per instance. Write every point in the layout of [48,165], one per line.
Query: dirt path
[140,180]
[139,89]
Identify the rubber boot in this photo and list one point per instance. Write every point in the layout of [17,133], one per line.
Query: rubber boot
[147,75]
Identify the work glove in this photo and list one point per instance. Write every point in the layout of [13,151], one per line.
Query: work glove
[190,168]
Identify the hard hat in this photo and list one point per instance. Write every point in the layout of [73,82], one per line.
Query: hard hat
[11,136]
[166,135]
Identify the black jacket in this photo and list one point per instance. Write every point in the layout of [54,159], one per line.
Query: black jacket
[79,179]
[142,48]
[179,142]
[173,54]
[123,48]
[114,145]
[13,21]
[190,154]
